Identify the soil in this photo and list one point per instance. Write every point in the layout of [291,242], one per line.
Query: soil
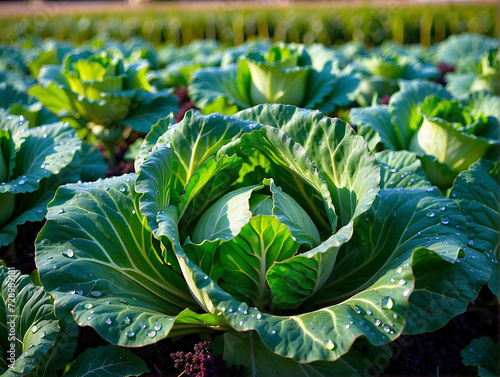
[431,354]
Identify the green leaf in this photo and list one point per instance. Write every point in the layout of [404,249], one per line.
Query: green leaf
[107,361]
[476,191]
[210,180]
[96,253]
[404,107]
[482,353]
[458,47]
[247,258]
[222,86]
[183,148]
[401,169]
[379,119]
[342,158]
[45,151]
[289,213]
[225,219]
[146,113]
[28,327]
[342,92]
[323,334]
[32,206]
[248,350]
[154,136]
[485,103]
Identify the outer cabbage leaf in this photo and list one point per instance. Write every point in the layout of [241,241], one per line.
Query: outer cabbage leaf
[113,278]
[107,361]
[38,161]
[476,191]
[483,354]
[401,169]
[247,349]
[19,103]
[29,328]
[458,47]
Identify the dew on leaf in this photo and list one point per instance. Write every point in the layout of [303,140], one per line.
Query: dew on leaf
[126,320]
[158,326]
[387,302]
[68,253]
[130,334]
[109,321]
[402,282]
[445,220]
[34,329]
[88,306]
[95,293]
[151,333]
[430,214]
[329,345]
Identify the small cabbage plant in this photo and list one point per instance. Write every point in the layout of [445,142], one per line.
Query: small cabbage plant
[104,93]
[34,162]
[310,77]
[448,135]
[482,77]
[382,74]
[276,226]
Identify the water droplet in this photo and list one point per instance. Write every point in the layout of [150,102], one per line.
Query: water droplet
[22,182]
[109,321]
[106,188]
[387,329]
[386,302]
[79,292]
[158,326]
[259,316]
[89,317]
[68,253]
[88,306]
[126,320]
[151,333]
[377,322]
[130,334]
[106,302]
[123,189]
[445,220]
[347,326]
[395,316]
[471,243]
[406,293]
[273,332]
[133,212]
[95,293]
[34,329]
[329,345]
[61,211]
[430,214]
[369,312]
[402,282]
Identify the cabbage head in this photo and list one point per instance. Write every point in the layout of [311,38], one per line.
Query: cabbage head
[102,91]
[448,135]
[276,227]
[311,77]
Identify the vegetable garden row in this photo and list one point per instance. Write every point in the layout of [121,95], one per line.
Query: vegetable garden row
[317,204]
